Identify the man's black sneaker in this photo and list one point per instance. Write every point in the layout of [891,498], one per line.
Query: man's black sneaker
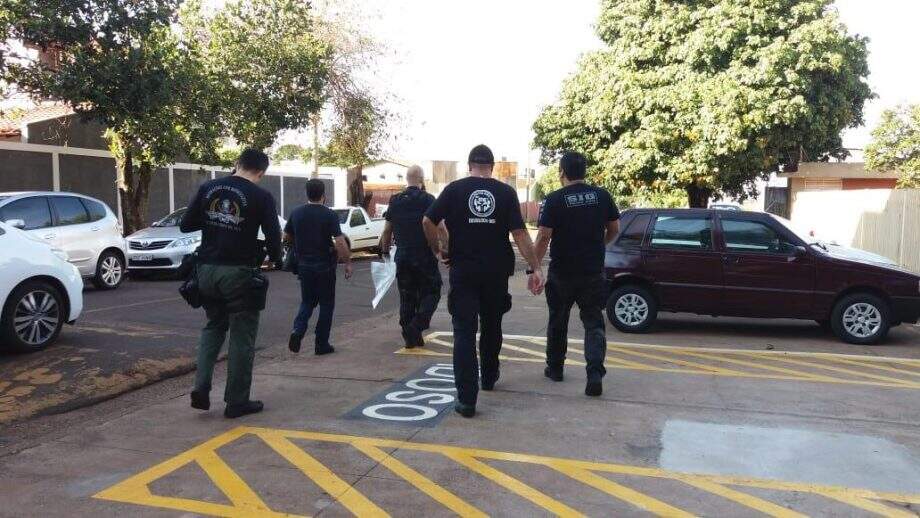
[488,384]
[249,407]
[327,349]
[553,374]
[409,337]
[294,342]
[201,400]
[465,410]
[594,388]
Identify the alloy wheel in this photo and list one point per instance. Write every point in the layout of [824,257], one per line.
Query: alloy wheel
[111,271]
[862,320]
[631,309]
[36,317]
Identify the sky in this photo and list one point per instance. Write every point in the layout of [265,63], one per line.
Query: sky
[480,71]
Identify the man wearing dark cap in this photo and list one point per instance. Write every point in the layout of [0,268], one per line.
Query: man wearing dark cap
[479,212]
[579,220]
[229,213]
[417,274]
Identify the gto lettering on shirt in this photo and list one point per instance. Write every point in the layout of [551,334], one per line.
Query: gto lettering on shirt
[580,199]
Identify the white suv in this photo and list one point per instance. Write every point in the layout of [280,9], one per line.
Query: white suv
[39,291]
[83,227]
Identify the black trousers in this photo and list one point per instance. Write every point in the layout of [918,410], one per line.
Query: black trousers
[317,288]
[476,302]
[562,292]
[419,283]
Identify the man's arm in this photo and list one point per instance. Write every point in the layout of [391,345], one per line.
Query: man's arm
[525,246]
[191,220]
[344,253]
[432,235]
[613,228]
[272,230]
[386,238]
[544,236]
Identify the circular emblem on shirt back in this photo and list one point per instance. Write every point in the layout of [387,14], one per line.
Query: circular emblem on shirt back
[482,203]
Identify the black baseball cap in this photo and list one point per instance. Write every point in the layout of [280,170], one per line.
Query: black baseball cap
[481,154]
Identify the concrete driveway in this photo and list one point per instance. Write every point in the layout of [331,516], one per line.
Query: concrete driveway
[703,417]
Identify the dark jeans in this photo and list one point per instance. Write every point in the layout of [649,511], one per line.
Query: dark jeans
[419,283]
[225,287]
[476,302]
[562,292]
[317,288]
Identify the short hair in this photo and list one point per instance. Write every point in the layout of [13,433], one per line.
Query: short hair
[252,159]
[316,189]
[573,165]
[482,155]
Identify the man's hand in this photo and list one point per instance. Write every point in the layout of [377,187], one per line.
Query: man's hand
[535,282]
[349,269]
[443,256]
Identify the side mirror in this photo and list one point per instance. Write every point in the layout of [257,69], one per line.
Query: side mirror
[16,223]
[800,251]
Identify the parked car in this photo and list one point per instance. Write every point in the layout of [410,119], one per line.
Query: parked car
[40,290]
[751,264]
[162,246]
[83,227]
[361,231]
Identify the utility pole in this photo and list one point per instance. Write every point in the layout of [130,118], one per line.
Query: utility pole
[316,146]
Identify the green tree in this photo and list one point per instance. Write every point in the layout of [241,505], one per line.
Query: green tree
[708,95]
[896,145]
[269,66]
[357,139]
[117,62]
[293,152]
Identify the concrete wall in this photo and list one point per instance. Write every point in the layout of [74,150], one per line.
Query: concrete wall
[67,131]
[90,175]
[158,199]
[25,171]
[882,221]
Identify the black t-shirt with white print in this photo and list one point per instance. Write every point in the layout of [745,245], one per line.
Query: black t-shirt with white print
[479,214]
[578,214]
[229,212]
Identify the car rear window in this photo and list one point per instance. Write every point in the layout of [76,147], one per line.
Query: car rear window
[632,235]
[95,209]
[69,210]
[682,233]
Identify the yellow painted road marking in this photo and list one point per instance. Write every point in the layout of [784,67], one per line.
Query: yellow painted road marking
[438,493]
[775,363]
[135,490]
[640,500]
[514,485]
[337,488]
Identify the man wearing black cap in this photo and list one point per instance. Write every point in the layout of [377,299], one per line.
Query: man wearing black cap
[479,212]
[579,220]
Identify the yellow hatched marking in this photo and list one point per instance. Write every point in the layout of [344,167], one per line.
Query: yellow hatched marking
[759,504]
[869,505]
[851,372]
[514,485]
[230,484]
[871,365]
[347,495]
[782,370]
[695,365]
[438,493]
[641,500]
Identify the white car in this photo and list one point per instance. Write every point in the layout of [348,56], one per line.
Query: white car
[40,290]
[361,231]
[84,227]
[162,246]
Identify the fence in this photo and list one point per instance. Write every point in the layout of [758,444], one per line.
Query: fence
[37,167]
[882,221]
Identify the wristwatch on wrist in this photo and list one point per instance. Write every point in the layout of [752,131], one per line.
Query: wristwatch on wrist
[529,272]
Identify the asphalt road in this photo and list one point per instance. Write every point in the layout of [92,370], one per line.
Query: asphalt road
[703,417]
[144,332]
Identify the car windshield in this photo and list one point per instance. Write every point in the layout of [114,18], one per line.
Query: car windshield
[172,220]
[343,215]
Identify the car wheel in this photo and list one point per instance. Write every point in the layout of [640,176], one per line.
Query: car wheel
[110,271]
[32,317]
[632,309]
[861,319]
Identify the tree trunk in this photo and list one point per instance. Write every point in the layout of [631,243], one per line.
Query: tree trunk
[133,187]
[356,189]
[698,196]
[316,146]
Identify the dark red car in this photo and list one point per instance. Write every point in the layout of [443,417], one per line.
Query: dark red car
[750,264]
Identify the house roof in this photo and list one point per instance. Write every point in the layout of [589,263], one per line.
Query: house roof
[12,121]
[836,170]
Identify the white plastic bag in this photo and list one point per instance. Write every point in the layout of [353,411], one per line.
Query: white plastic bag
[384,275]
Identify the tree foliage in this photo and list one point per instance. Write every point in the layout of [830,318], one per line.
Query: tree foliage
[292,152]
[896,145]
[708,95]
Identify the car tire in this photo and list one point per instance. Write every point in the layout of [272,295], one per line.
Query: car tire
[632,309]
[110,271]
[43,305]
[861,318]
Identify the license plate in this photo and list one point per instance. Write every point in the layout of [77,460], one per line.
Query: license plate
[143,258]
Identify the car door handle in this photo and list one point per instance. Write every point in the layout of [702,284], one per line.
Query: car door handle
[49,236]
[731,260]
[94,229]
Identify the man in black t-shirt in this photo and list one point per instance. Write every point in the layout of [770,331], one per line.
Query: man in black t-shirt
[580,220]
[479,212]
[317,240]
[417,274]
[229,212]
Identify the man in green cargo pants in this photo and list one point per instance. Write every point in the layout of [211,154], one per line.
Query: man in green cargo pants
[229,213]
